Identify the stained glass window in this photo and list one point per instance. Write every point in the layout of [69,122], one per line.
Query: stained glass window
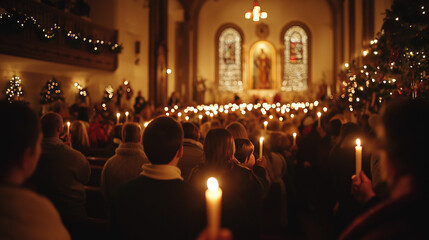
[295,75]
[229,60]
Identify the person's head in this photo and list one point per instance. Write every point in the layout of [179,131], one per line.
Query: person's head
[334,127]
[131,133]
[163,141]
[244,152]
[403,134]
[52,124]
[237,130]
[219,147]
[20,142]
[79,135]
[276,142]
[191,131]
[117,131]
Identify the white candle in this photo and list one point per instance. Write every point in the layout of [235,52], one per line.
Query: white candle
[68,129]
[294,138]
[358,156]
[126,116]
[265,125]
[261,146]
[200,117]
[319,114]
[118,115]
[213,204]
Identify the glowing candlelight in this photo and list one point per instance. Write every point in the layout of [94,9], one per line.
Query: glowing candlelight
[187,118]
[358,156]
[118,115]
[265,125]
[68,129]
[213,201]
[261,146]
[319,114]
[200,117]
[126,116]
[294,138]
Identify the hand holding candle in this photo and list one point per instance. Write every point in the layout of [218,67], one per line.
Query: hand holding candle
[213,203]
[358,156]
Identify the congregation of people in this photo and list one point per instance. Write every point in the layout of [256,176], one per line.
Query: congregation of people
[151,176]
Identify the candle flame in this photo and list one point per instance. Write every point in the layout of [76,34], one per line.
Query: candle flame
[200,116]
[212,184]
[358,142]
[294,134]
[68,124]
[261,139]
[118,114]
[126,113]
[265,123]
[319,114]
[146,123]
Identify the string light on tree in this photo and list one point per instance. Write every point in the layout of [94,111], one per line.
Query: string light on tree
[51,92]
[14,90]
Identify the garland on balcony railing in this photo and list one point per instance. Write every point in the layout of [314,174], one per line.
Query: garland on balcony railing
[16,21]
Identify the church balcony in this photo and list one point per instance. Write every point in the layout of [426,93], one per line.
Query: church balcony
[34,30]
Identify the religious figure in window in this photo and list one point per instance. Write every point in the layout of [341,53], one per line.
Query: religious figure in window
[262,71]
[229,53]
[296,48]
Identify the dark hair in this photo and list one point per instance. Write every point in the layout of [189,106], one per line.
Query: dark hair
[20,129]
[334,127]
[131,132]
[50,123]
[218,147]
[83,114]
[117,131]
[162,138]
[190,130]
[243,149]
[406,139]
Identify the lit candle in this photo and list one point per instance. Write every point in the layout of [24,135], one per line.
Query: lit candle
[265,125]
[187,118]
[118,115]
[68,129]
[126,116]
[213,201]
[200,117]
[319,114]
[294,138]
[261,146]
[358,156]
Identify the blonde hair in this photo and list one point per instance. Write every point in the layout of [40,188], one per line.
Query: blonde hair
[79,135]
[219,147]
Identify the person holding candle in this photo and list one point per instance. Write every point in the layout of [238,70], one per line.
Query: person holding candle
[158,204]
[242,192]
[402,138]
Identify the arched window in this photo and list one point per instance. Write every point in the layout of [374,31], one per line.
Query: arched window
[229,41]
[296,61]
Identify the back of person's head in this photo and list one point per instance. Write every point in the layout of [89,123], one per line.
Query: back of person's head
[276,142]
[348,132]
[83,114]
[52,124]
[117,131]
[406,137]
[243,149]
[20,130]
[162,138]
[79,135]
[191,131]
[274,125]
[334,127]
[131,133]
[237,130]
[218,147]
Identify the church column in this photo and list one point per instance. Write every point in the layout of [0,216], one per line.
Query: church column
[158,17]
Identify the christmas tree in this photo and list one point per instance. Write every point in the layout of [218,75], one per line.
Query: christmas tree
[51,92]
[108,96]
[14,90]
[395,63]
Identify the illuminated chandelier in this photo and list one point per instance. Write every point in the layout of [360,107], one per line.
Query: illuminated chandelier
[255,14]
